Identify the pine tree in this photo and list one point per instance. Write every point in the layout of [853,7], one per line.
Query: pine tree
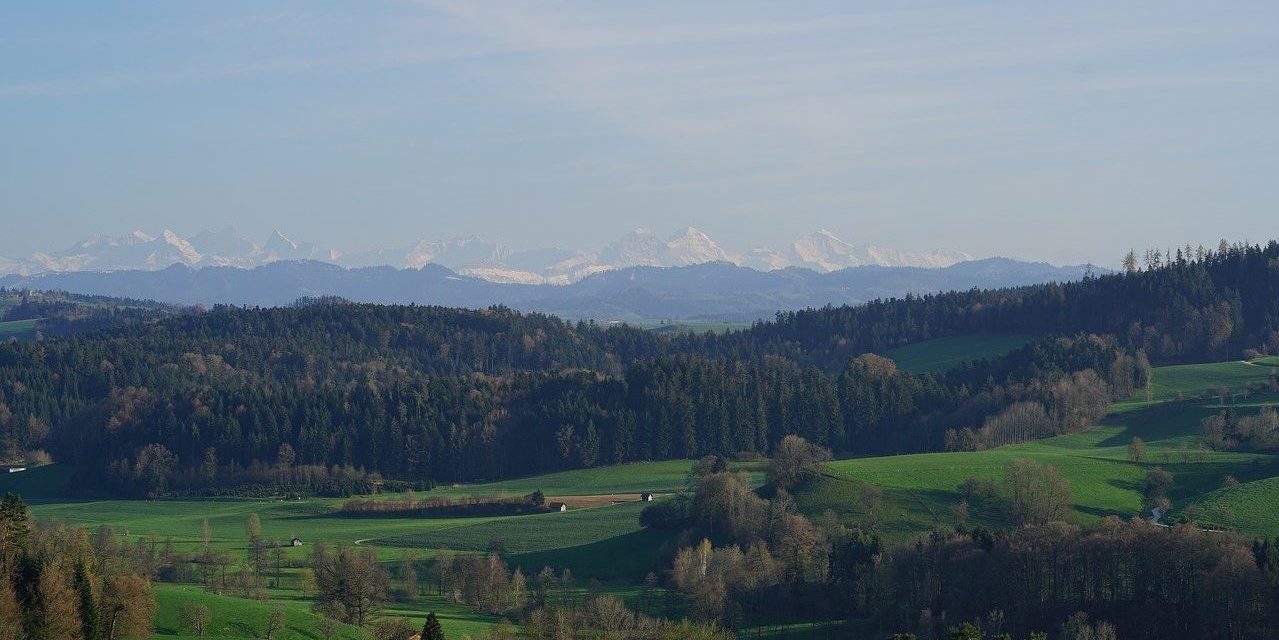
[14,522]
[90,620]
[432,630]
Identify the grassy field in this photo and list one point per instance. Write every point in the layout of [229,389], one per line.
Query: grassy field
[1193,380]
[602,542]
[940,354]
[1252,507]
[662,326]
[235,618]
[920,491]
[657,477]
[20,329]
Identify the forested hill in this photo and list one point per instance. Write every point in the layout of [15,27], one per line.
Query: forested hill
[1197,306]
[58,313]
[319,395]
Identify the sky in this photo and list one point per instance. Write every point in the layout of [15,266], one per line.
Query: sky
[1058,131]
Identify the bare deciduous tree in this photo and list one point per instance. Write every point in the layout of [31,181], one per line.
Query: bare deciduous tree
[194,616]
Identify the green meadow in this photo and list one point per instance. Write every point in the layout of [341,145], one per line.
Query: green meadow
[602,544]
[920,492]
[940,354]
[20,329]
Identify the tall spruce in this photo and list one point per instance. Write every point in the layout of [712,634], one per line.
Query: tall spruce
[90,616]
[431,629]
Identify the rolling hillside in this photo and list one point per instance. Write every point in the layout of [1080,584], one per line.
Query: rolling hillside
[603,542]
[921,491]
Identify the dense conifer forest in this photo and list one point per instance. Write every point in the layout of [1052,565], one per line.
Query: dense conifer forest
[329,396]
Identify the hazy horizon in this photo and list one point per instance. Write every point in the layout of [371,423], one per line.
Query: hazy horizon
[1066,134]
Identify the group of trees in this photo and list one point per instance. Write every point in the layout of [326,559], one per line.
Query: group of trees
[59,583]
[1150,581]
[747,549]
[744,549]
[1228,430]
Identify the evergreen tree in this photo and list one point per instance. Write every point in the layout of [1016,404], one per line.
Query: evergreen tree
[90,618]
[14,522]
[432,630]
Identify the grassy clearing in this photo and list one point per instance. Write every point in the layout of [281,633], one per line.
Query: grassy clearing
[693,327]
[522,534]
[940,354]
[920,491]
[236,618]
[1251,507]
[1193,380]
[20,329]
[657,477]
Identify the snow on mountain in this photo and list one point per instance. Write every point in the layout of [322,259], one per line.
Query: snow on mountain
[765,259]
[471,256]
[693,247]
[639,247]
[279,247]
[823,251]
[455,254]
[227,248]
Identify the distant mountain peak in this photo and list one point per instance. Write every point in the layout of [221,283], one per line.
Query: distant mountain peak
[472,255]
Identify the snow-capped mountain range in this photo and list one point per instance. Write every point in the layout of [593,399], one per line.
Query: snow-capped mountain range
[821,251]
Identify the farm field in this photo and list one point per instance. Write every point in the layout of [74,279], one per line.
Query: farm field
[1250,506]
[1193,380]
[233,618]
[603,542]
[657,477]
[940,354]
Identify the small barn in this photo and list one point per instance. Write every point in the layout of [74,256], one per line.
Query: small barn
[557,506]
[296,542]
[646,497]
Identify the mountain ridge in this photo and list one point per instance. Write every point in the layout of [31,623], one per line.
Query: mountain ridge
[720,291]
[467,255]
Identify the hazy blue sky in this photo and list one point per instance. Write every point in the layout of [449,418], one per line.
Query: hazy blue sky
[1066,131]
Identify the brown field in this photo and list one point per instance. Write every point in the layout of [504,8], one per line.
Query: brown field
[598,499]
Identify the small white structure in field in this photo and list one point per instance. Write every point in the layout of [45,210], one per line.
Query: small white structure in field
[646,497]
[557,506]
[296,542]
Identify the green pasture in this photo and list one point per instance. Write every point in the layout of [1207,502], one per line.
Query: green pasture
[940,354]
[920,491]
[20,329]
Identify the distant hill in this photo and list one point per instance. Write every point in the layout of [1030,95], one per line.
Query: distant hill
[716,291]
[26,314]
